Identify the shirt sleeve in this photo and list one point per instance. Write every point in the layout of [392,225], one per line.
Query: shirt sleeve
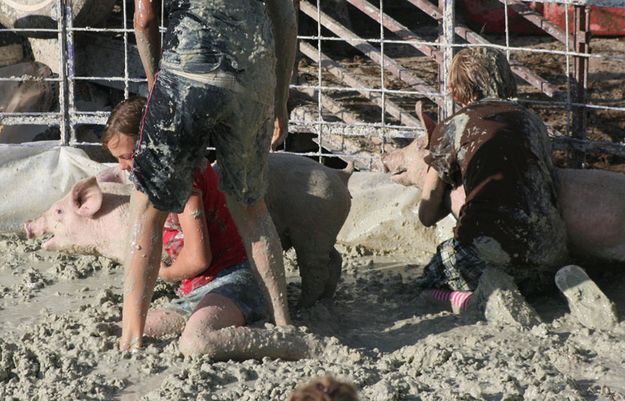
[442,156]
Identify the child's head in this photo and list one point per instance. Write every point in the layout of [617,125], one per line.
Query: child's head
[325,389]
[479,72]
[122,130]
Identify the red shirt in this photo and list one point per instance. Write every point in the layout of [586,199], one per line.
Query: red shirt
[226,246]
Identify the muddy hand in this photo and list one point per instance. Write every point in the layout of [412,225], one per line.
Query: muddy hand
[130,343]
[280,131]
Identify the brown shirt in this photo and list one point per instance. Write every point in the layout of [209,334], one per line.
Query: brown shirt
[500,152]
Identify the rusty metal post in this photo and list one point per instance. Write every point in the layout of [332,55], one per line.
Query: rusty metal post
[446,38]
[580,78]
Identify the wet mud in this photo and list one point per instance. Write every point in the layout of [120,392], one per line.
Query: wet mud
[59,336]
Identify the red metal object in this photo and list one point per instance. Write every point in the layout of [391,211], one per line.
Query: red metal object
[488,16]
[604,21]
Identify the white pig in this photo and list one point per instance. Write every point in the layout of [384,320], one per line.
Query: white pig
[91,218]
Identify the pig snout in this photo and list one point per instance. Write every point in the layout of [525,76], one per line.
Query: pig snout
[29,230]
[393,162]
[34,228]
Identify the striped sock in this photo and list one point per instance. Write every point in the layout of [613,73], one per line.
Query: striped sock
[459,299]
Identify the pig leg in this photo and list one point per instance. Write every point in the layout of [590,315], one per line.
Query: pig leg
[334,273]
[313,268]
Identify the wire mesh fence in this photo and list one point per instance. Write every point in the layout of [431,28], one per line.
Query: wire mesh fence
[362,65]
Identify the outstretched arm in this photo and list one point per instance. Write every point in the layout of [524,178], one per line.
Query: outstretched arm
[284,25]
[195,256]
[148,38]
[142,266]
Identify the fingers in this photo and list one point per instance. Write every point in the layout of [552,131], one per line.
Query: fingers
[131,345]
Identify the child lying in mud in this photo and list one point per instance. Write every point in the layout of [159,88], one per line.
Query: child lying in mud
[217,287]
[497,153]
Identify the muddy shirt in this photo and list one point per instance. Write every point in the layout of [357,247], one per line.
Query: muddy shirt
[500,152]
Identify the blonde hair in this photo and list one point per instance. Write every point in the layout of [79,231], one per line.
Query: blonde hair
[325,389]
[479,72]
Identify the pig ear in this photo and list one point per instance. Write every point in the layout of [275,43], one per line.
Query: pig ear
[86,197]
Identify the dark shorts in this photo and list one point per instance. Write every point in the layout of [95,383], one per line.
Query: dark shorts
[237,284]
[459,267]
[183,117]
[215,88]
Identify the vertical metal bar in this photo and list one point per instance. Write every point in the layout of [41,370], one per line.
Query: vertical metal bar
[567,49]
[320,80]
[582,32]
[448,54]
[507,29]
[382,76]
[62,74]
[71,104]
[126,83]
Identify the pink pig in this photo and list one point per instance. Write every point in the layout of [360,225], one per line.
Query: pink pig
[85,219]
[591,200]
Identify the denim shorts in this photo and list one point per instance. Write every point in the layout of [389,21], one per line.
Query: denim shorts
[236,283]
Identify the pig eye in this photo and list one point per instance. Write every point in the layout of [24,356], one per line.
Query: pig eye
[59,211]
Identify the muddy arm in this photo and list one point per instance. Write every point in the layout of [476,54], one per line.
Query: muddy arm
[148,38]
[142,267]
[284,25]
[433,206]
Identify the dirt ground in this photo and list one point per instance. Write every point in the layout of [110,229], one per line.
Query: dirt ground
[59,333]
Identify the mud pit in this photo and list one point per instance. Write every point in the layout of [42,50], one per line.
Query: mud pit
[58,341]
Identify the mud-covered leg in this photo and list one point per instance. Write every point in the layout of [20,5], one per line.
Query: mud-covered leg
[334,273]
[313,269]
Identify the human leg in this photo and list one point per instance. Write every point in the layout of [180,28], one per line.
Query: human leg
[164,322]
[452,275]
[263,245]
[214,312]
[233,298]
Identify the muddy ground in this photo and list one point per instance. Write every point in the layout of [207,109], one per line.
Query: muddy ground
[59,331]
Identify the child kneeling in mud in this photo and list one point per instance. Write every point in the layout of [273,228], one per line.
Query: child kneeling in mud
[217,287]
[497,152]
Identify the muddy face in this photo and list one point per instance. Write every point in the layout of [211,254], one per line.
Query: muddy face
[407,165]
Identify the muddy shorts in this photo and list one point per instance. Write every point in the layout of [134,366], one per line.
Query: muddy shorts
[237,284]
[184,115]
[454,266]
[458,267]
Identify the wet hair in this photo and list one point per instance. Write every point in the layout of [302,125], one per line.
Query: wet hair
[325,389]
[479,72]
[125,119]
